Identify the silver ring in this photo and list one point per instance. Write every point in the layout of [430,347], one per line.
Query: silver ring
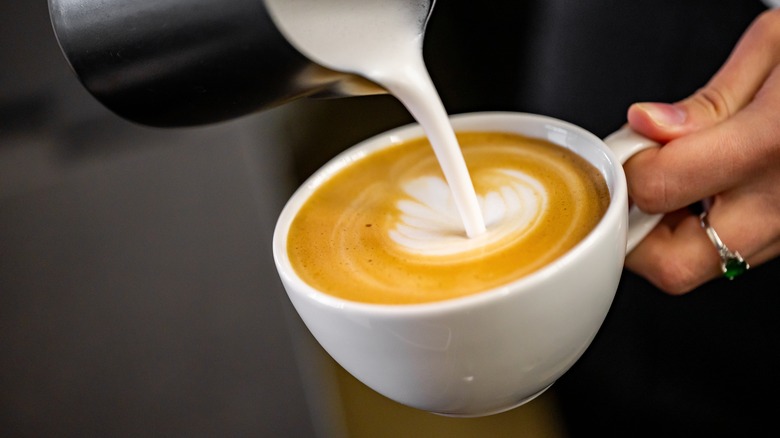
[731,263]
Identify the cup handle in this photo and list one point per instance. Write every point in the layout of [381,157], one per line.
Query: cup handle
[626,142]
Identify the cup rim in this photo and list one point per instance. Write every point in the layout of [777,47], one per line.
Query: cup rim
[618,202]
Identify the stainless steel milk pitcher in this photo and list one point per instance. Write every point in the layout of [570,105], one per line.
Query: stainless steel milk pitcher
[171,63]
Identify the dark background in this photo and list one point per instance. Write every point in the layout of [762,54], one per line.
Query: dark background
[137,292]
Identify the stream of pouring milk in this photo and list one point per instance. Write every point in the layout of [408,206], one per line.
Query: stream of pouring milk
[382,41]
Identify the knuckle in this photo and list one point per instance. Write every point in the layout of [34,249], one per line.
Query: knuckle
[675,286]
[675,277]
[713,102]
[671,267]
[648,190]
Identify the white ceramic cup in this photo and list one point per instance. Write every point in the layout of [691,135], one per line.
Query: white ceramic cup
[495,350]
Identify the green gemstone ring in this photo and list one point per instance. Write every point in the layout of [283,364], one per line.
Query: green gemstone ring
[731,263]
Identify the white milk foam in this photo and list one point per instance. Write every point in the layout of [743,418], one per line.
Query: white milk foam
[382,41]
[430,224]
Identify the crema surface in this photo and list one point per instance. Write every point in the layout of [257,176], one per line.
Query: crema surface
[385,229]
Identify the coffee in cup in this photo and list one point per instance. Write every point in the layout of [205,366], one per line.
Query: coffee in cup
[384,228]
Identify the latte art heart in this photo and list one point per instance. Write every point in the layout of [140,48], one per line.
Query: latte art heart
[430,224]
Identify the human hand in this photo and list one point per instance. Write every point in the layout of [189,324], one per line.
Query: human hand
[722,143]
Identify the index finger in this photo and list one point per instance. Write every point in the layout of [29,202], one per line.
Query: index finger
[709,161]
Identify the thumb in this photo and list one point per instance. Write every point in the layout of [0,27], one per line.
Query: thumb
[731,89]
[661,122]
[664,122]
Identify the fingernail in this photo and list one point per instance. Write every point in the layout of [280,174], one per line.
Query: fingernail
[664,114]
